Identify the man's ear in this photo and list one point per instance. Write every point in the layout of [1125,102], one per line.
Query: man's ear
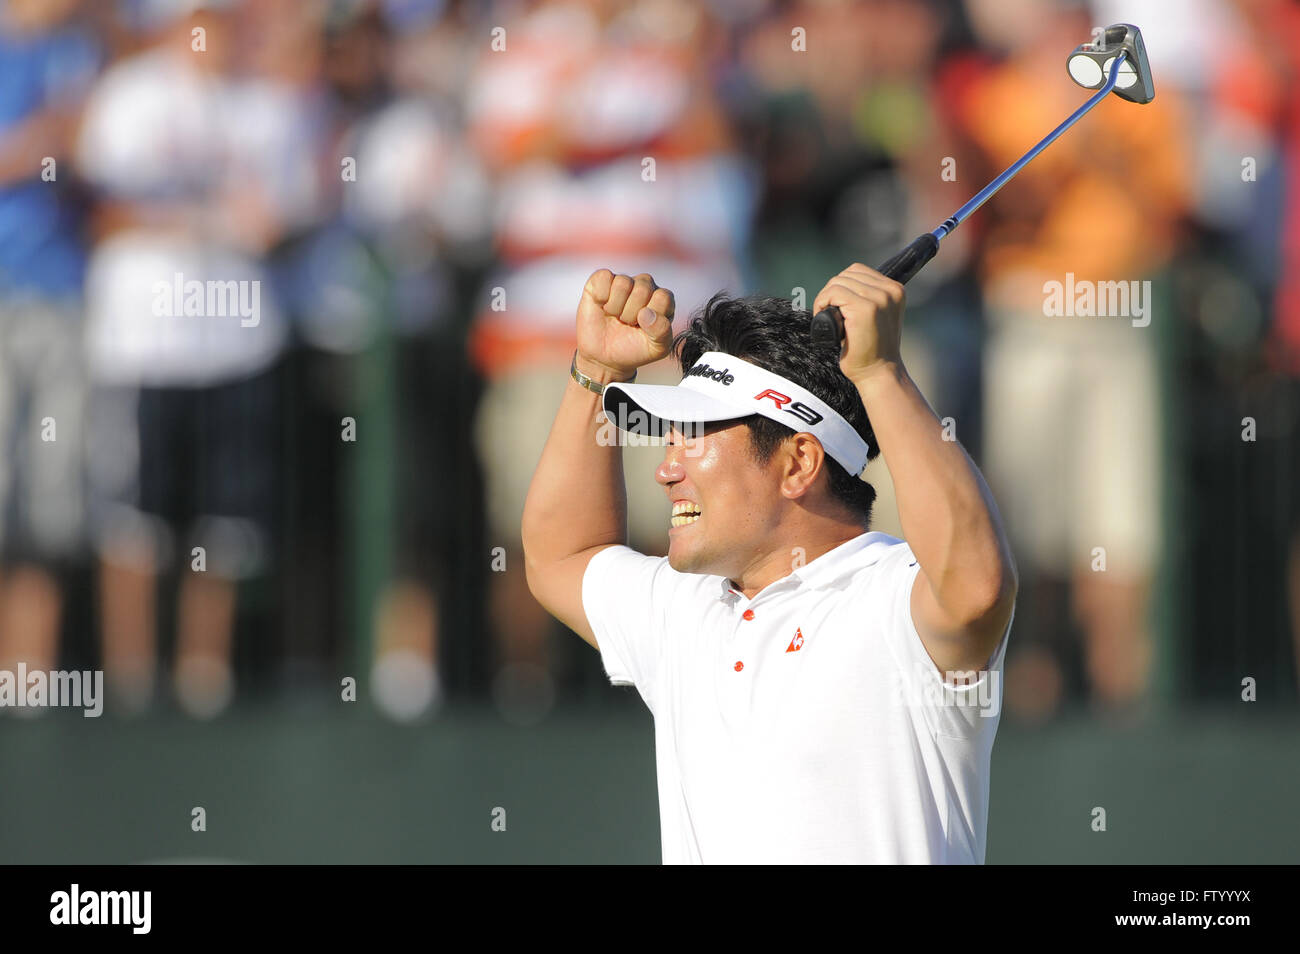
[803,460]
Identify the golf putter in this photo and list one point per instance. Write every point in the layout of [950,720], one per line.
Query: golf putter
[1115,60]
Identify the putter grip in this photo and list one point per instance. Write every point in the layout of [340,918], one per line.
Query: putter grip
[827,326]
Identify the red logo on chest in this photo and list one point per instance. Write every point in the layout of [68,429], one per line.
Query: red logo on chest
[796,644]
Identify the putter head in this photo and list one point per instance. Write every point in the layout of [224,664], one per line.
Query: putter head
[1090,63]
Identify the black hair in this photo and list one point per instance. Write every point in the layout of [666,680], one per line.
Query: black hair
[772,334]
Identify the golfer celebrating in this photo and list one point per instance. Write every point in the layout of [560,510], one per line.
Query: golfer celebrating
[821,693]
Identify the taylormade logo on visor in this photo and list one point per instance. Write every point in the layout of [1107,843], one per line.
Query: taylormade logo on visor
[704,371]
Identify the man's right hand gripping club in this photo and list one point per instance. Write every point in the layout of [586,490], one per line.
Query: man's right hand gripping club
[623,324]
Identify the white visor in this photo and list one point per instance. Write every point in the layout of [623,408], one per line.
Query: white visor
[722,387]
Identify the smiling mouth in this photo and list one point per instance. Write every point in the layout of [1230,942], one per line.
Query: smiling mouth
[684,514]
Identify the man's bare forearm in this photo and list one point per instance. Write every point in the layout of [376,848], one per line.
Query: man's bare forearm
[947,512]
[577,502]
[577,499]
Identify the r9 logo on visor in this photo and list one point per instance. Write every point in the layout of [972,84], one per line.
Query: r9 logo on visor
[797,408]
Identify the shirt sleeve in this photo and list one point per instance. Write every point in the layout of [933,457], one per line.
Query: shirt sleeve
[958,705]
[626,596]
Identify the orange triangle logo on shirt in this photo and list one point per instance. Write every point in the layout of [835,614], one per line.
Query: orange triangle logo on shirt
[796,644]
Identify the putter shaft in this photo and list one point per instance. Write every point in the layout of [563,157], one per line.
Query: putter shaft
[988,191]
[827,326]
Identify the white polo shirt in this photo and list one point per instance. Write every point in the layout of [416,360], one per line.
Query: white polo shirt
[806,725]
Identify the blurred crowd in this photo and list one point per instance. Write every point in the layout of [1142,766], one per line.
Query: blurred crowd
[287,292]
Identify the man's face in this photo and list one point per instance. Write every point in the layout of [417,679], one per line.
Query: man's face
[733,500]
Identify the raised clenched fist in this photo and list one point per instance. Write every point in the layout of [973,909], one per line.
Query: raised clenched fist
[624,322]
